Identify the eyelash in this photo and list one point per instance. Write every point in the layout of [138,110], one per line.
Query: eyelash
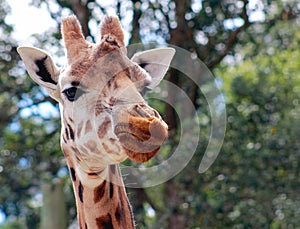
[72,93]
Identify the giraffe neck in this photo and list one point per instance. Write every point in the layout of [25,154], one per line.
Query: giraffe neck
[101,199]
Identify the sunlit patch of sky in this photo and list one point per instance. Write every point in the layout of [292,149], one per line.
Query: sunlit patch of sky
[2,217]
[233,23]
[196,6]
[42,109]
[28,20]
[23,163]
[256,14]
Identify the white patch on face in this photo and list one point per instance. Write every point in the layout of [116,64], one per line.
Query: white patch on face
[66,86]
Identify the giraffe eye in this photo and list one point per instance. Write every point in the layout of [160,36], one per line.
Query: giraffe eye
[73,93]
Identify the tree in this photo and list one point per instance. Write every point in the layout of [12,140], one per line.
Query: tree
[29,150]
[261,144]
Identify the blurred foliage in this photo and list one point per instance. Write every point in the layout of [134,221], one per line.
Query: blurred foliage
[260,154]
[29,146]
[252,49]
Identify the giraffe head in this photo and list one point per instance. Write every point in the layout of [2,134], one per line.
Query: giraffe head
[104,116]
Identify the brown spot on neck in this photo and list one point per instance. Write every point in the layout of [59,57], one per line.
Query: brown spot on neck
[80,192]
[73,174]
[118,214]
[104,222]
[71,132]
[103,206]
[111,190]
[99,192]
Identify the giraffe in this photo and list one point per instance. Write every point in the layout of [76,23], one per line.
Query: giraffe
[104,118]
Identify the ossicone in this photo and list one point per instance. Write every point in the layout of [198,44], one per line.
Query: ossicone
[73,37]
[111,26]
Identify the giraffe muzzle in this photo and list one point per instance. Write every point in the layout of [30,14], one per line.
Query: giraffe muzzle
[141,137]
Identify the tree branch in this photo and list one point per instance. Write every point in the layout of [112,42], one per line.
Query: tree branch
[137,13]
[83,14]
[233,37]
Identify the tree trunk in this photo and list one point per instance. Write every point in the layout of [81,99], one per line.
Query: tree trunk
[173,200]
[53,214]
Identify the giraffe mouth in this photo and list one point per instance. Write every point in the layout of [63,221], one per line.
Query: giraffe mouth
[141,138]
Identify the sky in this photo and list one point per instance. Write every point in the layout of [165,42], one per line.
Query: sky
[32,20]
[38,20]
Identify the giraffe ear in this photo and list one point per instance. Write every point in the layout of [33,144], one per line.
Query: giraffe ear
[41,68]
[156,62]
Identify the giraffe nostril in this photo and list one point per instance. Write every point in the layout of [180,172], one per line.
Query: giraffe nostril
[141,111]
[144,111]
[156,114]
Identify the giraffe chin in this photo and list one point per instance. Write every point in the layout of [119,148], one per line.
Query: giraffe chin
[141,157]
[137,150]
[141,137]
